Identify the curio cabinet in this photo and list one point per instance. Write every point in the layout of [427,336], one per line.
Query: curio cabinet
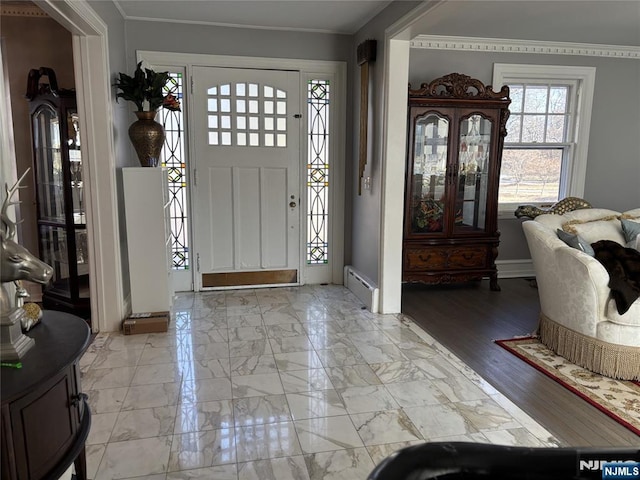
[456,135]
[62,233]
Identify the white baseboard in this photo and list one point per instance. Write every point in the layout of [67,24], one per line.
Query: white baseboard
[361,287]
[515,268]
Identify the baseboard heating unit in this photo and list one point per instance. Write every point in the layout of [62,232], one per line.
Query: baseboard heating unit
[361,287]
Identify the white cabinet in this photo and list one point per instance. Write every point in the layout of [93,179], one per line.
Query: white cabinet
[146,199]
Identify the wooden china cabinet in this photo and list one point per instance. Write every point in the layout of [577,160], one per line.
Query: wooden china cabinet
[61,216]
[457,127]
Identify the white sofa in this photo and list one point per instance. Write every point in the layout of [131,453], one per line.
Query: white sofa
[579,319]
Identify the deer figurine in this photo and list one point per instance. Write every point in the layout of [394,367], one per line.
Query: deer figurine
[16,262]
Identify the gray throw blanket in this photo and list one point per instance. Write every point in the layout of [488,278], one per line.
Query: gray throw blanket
[623,266]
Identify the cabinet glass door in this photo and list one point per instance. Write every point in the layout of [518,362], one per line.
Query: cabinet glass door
[48,157]
[472,183]
[428,180]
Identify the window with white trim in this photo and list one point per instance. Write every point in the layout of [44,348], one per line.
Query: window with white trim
[545,150]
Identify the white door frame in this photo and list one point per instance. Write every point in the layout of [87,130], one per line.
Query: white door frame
[309,69]
[394,142]
[94,96]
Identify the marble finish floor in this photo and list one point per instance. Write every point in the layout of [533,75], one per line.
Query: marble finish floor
[288,384]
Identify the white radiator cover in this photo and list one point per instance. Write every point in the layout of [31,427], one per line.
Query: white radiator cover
[363,288]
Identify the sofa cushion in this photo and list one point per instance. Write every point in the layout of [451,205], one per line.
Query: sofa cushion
[594,225]
[632,214]
[575,241]
[630,318]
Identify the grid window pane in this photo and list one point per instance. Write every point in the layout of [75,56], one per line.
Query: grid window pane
[535,99]
[558,99]
[533,128]
[268,123]
[556,128]
[530,175]
[516,92]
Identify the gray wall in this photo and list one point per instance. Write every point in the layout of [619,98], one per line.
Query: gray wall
[213,40]
[613,168]
[31,42]
[365,208]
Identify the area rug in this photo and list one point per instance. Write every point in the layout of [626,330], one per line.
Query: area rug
[618,399]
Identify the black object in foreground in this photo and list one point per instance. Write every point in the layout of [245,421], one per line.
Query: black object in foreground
[462,460]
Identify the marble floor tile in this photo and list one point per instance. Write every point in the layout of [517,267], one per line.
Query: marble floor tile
[256,385]
[350,464]
[297,361]
[285,468]
[197,369]
[486,415]
[205,390]
[299,343]
[327,433]
[253,365]
[158,373]
[134,458]
[293,383]
[107,400]
[261,410]
[100,378]
[144,423]
[381,452]
[94,455]
[353,376]
[249,348]
[202,449]
[259,442]
[285,330]
[439,420]
[381,353]
[416,393]
[197,417]
[236,321]
[149,396]
[206,351]
[305,380]
[220,472]
[396,372]
[241,334]
[338,357]
[388,426]
[514,437]
[101,428]
[368,398]
[126,357]
[459,389]
[318,403]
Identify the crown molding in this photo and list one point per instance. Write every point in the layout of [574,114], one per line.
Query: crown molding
[498,45]
[22,9]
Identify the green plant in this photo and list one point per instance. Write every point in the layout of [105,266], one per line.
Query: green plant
[146,86]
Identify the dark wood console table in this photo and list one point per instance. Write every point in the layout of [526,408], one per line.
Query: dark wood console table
[45,415]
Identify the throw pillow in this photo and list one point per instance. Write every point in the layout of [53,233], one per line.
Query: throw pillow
[575,241]
[630,229]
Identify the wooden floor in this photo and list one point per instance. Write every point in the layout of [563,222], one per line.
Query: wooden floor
[466,319]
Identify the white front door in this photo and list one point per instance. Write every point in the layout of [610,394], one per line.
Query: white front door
[246,213]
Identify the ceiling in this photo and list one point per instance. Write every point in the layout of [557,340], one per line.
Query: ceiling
[331,16]
[610,22]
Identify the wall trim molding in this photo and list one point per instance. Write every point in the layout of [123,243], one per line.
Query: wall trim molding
[20,9]
[498,45]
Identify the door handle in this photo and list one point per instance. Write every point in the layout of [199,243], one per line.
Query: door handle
[292,204]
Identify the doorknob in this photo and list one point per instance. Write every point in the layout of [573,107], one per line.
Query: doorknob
[292,204]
